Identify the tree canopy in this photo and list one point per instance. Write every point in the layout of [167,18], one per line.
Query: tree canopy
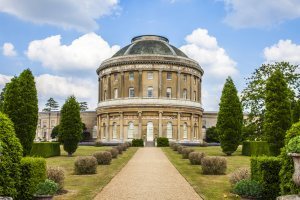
[83,106]
[51,105]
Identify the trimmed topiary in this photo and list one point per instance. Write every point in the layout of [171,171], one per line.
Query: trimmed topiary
[239,174]
[119,148]
[249,189]
[56,174]
[162,142]
[294,145]
[186,152]
[255,148]
[10,157]
[175,146]
[114,152]
[48,187]
[103,157]
[214,165]
[85,165]
[124,146]
[137,142]
[196,157]
[180,149]
[45,149]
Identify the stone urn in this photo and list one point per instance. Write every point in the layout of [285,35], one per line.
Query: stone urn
[296,175]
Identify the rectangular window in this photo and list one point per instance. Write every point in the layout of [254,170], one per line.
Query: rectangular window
[150,92]
[115,93]
[150,75]
[184,77]
[115,76]
[131,92]
[169,93]
[195,80]
[169,75]
[131,76]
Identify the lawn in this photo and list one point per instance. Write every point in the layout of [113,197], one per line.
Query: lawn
[87,186]
[212,187]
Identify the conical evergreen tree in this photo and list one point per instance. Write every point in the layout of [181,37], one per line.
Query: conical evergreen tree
[278,112]
[70,125]
[230,118]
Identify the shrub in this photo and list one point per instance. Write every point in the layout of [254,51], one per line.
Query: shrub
[248,188]
[119,148]
[128,144]
[10,157]
[48,187]
[175,147]
[85,165]
[265,170]
[196,157]
[162,142]
[56,174]
[124,146]
[255,148]
[239,174]
[98,143]
[214,165]
[137,143]
[294,145]
[203,144]
[171,144]
[212,135]
[45,149]
[186,152]
[114,152]
[180,149]
[103,157]
[33,172]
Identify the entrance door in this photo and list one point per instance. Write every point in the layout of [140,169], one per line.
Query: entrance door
[149,131]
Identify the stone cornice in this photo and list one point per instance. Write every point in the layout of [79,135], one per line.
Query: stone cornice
[150,59]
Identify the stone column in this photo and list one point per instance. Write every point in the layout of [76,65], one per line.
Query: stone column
[192,127]
[159,83]
[122,86]
[107,135]
[140,124]
[121,127]
[199,134]
[99,134]
[200,99]
[99,89]
[160,124]
[108,87]
[191,87]
[178,126]
[140,84]
[178,85]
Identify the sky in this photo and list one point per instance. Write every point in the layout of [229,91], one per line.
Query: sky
[63,42]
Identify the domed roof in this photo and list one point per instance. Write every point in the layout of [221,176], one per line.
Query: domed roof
[149,44]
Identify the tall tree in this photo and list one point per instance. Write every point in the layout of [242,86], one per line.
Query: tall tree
[278,111]
[253,96]
[71,125]
[230,118]
[83,106]
[295,111]
[2,99]
[51,105]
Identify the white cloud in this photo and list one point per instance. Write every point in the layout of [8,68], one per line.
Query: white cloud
[284,50]
[79,15]
[260,13]
[8,49]
[3,80]
[84,53]
[214,60]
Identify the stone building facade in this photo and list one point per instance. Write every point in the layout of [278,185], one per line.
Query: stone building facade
[149,89]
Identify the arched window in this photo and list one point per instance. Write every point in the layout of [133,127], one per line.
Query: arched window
[114,130]
[169,130]
[184,94]
[185,130]
[130,131]
[115,93]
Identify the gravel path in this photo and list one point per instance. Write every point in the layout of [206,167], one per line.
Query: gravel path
[148,175]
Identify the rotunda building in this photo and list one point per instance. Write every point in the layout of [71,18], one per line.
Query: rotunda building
[149,89]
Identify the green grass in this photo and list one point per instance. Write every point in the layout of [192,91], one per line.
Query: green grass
[212,187]
[87,186]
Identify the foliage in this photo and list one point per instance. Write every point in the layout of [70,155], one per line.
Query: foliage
[230,118]
[294,145]
[48,187]
[119,148]
[124,146]
[71,125]
[10,157]
[295,106]
[265,170]
[137,143]
[180,149]
[55,132]
[45,149]
[56,174]
[212,134]
[214,165]
[83,106]
[196,157]
[287,186]
[278,113]
[186,152]
[85,165]
[162,142]
[103,157]
[33,172]
[175,146]
[253,96]
[2,99]
[114,152]
[98,143]
[239,174]
[255,148]
[248,188]
[51,105]
[249,131]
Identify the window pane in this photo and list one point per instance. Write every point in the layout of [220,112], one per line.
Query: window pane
[169,130]
[150,92]
[150,75]
[131,92]
[169,76]
[131,75]
[169,93]
[116,93]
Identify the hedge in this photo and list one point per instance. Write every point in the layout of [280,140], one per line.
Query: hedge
[255,148]
[265,170]
[162,142]
[45,149]
[137,143]
[33,172]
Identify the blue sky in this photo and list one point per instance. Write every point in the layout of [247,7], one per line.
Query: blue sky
[64,41]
